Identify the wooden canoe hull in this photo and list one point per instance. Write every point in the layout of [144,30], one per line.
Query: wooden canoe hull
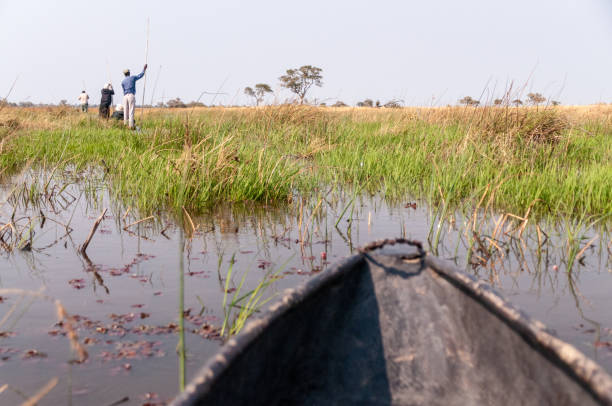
[394,326]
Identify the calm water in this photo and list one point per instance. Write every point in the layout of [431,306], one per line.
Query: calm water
[125,293]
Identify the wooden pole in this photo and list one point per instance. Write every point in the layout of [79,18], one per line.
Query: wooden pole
[155,85]
[110,77]
[144,87]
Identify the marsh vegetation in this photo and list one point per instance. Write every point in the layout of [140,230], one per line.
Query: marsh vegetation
[554,160]
[212,211]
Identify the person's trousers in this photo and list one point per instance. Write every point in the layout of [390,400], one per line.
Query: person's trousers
[129,103]
[104,110]
[84,107]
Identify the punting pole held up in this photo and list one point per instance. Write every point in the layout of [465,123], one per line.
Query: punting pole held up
[144,86]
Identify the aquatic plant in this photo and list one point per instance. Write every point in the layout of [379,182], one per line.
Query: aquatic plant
[246,303]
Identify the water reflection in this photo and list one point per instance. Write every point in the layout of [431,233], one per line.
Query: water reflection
[125,289]
[181,343]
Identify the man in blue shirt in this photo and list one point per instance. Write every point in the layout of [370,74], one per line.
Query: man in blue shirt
[129,95]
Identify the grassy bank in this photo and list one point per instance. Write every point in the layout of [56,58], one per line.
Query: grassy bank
[558,157]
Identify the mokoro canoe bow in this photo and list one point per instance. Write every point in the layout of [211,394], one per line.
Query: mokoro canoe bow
[392,325]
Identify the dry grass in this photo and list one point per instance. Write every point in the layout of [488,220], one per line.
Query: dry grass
[50,118]
[508,125]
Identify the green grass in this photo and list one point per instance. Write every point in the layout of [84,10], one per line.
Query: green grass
[202,158]
[242,305]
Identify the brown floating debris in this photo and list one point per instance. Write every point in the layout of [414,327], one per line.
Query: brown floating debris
[193,227]
[33,353]
[41,393]
[163,232]
[69,326]
[92,232]
[120,401]
[126,213]
[138,222]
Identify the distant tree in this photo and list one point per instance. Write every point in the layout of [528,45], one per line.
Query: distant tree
[366,103]
[517,102]
[260,91]
[377,103]
[555,103]
[195,104]
[393,104]
[323,104]
[26,104]
[468,101]
[299,81]
[176,103]
[536,98]
[63,102]
[339,104]
[497,102]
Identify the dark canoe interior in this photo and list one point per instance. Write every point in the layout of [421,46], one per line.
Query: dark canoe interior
[393,326]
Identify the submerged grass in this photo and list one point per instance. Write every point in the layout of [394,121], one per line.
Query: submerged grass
[242,305]
[559,157]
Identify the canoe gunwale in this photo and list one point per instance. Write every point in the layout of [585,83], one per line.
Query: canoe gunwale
[589,374]
[594,379]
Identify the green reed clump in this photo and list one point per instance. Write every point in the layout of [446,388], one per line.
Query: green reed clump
[193,167]
[242,305]
[198,158]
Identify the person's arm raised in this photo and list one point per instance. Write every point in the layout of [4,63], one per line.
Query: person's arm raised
[141,74]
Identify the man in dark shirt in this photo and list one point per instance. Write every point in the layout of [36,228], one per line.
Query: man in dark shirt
[107,100]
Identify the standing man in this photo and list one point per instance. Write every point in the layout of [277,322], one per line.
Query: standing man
[84,100]
[106,100]
[129,95]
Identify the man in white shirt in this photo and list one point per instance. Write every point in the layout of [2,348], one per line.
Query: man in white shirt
[84,100]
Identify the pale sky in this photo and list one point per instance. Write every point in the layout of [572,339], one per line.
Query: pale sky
[422,52]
